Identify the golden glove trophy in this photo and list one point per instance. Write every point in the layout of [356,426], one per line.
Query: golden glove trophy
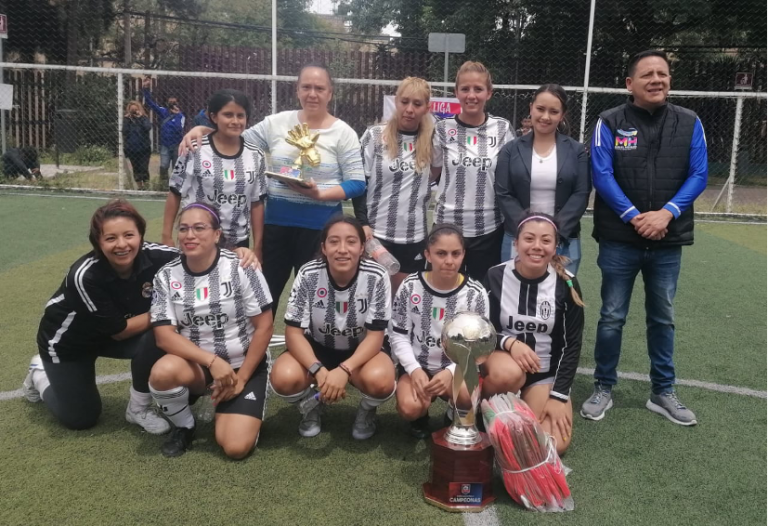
[301,138]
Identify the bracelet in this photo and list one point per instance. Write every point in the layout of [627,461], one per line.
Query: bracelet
[514,341]
[345,368]
[213,360]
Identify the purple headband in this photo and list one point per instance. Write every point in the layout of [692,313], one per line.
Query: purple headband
[538,218]
[204,207]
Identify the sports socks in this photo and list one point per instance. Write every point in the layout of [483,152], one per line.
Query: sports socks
[175,405]
[369,403]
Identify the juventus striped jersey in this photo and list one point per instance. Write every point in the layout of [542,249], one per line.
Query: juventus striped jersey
[395,203]
[468,156]
[418,317]
[93,303]
[338,317]
[231,182]
[212,309]
[542,314]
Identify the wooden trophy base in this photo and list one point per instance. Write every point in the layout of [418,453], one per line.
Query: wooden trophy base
[460,478]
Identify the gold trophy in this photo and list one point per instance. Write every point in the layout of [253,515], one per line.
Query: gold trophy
[301,138]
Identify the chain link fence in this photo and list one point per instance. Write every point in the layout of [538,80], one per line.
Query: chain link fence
[76,64]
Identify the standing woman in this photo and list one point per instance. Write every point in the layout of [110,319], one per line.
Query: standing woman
[465,152]
[226,172]
[294,214]
[337,313]
[422,304]
[214,321]
[539,316]
[396,159]
[546,171]
[136,143]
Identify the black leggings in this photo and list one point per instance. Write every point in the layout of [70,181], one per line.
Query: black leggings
[140,164]
[73,397]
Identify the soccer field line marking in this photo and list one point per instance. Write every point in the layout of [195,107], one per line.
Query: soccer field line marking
[709,386]
[105,197]
[487,517]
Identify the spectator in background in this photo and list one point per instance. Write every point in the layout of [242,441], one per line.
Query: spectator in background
[136,143]
[201,119]
[21,161]
[171,129]
[525,126]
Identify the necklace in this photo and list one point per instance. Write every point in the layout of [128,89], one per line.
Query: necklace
[545,156]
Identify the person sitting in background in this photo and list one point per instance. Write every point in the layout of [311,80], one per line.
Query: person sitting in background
[171,128]
[21,161]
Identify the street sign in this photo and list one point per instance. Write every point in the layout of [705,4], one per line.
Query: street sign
[3,26]
[743,81]
[447,42]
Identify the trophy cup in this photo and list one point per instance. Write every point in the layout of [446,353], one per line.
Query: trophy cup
[301,138]
[462,457]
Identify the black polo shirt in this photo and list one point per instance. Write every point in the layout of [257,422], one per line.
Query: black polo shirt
[93,303]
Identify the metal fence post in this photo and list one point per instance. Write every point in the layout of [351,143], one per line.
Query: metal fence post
[587,63]
[734,154]
[120,154]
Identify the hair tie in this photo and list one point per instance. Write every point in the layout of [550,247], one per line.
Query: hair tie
[570,283]
[204,207]
[539,218]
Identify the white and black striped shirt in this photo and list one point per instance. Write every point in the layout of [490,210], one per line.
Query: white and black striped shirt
[468,156]
[338,317]
[93,303]
[541,313]
[212,309]
[397,194]
[419,314]
[231,182]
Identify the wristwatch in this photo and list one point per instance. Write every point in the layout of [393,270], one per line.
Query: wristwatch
[314,368]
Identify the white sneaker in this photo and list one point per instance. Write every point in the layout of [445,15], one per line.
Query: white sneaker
[365,424]
[148,418]
[28,386]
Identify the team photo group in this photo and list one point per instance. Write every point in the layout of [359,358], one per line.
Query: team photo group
[195,312]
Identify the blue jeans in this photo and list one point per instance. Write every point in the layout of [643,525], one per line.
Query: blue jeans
[572,251]
[619,264]
[168,157]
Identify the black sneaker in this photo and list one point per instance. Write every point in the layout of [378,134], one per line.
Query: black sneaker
[179,441]
[419,428]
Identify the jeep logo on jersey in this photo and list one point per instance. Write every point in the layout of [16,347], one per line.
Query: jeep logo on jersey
[545,310]
[484,163]
[220,198]
[522,326]
[333,331]
[214,321]
[428,340]
[402,166]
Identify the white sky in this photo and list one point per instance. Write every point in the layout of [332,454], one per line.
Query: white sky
[326,7]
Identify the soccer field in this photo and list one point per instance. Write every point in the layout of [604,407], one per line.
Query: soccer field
[634,467]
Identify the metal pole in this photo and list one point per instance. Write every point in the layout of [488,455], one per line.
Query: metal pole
[2,112]
[734,154]
[274,55]
[127,54]
[120,153]
[445,69]
[587,63]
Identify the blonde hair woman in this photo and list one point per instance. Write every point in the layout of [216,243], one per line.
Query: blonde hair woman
[396,159]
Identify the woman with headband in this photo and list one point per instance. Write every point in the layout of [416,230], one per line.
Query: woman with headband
[538,313]
[424,301]
[101,310]
[547,171]
[213,319]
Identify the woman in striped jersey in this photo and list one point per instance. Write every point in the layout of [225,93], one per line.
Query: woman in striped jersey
[337,313]
[464,158]
[226,172]
[422,304]
[539,316]
[396,160]
[213,319]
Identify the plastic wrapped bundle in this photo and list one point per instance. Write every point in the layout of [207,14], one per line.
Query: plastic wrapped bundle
[533,473]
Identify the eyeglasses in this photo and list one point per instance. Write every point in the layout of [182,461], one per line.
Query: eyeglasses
[199,228]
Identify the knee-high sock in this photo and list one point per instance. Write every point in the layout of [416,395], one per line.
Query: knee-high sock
[368,402]
[175,405]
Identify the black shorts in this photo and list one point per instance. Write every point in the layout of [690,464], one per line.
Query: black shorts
[330,358]
[410,255]
[252,400]
[482,253]
[400,371]
[530,379]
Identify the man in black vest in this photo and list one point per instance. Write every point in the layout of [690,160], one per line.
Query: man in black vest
[649,164]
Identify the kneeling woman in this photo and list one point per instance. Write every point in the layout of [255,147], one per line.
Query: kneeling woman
[422,304]
[539,316]
[337,313]
[213,318]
